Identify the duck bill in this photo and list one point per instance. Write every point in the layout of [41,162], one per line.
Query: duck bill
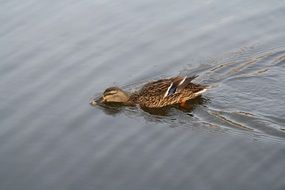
[95,102]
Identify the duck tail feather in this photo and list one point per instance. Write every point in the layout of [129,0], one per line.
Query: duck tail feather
[185,82]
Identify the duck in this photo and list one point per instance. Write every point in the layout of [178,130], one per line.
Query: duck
[155,94]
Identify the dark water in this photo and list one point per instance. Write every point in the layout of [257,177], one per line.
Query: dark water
[56,55]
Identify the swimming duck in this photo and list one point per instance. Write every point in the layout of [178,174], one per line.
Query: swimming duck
[156,94]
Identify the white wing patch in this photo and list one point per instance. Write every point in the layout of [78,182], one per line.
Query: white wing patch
[200,92]
[167,91]
[183,80]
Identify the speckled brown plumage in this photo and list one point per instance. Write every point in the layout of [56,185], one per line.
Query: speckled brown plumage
[153,94]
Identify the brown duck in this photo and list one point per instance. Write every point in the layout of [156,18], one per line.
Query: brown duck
[156,94]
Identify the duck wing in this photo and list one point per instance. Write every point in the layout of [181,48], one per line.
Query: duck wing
[178,84]
[156,88]
[167,91]
[166,87]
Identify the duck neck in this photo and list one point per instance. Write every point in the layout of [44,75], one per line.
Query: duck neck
[133,99]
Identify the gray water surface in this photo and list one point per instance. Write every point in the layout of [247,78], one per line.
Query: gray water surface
[56,55]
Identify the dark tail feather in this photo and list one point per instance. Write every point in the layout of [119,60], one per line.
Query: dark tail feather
[189,79]
[185,83]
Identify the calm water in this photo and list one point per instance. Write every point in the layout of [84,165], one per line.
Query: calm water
[56,55]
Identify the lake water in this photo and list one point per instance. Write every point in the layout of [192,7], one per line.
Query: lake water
[56,55]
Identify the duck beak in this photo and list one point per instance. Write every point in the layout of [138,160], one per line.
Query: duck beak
[93,103]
